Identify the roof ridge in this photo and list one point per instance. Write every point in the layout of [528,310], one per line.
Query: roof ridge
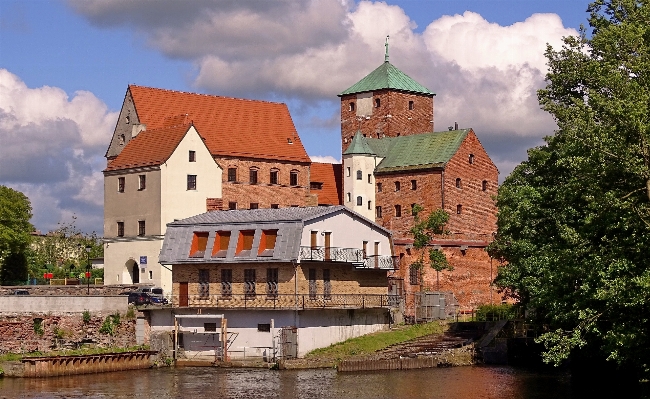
[207,95]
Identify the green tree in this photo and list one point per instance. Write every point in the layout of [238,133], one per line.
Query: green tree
[574,219]
[423,232]
[15,232]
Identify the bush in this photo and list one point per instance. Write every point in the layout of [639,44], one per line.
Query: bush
[496,312]
[38,326]
[86,317]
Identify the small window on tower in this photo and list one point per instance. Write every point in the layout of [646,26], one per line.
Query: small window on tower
[458,183]
[377,103]
[192,156]
[411,105]
[369,178]
[351,106]
[414,184]
[121,182]
[142,182]
[398,210]
[293,178]
[348,197]
[484,186]
[397,186]
[459,209]
[359,201]
[347,171]
[471,159]
[379,187]
[378,211]
[359,175]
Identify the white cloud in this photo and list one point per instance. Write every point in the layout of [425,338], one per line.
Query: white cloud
[52,150]
[324,159]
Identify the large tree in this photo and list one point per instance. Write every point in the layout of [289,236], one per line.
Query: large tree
[574,219]
[15,230]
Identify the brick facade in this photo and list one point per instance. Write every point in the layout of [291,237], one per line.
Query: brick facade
[263,193]
[392,118]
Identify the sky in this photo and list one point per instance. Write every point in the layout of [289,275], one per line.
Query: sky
[65,67]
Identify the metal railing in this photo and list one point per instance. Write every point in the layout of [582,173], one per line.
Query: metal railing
[287,301]
[349,255]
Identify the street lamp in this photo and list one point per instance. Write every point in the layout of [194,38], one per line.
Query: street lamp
[88,248]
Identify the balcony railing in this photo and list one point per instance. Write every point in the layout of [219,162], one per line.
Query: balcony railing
[349,255]
[287,301]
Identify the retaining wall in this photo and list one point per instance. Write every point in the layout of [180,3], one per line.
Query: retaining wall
[21,304]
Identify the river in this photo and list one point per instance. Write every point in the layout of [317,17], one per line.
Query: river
[474,382]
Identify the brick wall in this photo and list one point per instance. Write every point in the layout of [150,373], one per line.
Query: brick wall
[264,193]
[344,278]
[478,215]
[393,103]
[427,193]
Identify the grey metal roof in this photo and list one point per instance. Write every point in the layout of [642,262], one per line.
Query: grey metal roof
[259,215]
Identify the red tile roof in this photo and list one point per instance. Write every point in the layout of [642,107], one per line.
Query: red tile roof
[331,175]
[229,126]
[151,147]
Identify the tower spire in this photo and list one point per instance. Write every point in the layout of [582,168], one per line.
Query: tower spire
[386,56]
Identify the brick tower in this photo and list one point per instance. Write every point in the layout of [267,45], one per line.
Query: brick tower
[385,103]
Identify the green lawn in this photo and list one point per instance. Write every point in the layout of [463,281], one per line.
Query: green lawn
[371,343]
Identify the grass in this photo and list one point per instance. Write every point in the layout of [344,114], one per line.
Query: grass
[368,344]
[9,357]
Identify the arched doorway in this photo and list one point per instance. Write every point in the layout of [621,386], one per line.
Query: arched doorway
[134,272]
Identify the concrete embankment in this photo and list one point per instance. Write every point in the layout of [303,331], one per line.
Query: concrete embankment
[50,366]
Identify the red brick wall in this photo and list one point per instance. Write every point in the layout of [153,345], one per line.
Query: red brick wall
[264,193]
[479,213]
[393,103]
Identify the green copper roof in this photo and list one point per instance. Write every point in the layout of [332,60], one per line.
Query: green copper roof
[359,145]
[419,151]
[387,77]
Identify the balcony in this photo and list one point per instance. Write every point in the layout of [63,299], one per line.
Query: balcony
[349,255]
[286,301]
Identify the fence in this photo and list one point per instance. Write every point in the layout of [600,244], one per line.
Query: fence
[350,255]
[287,301]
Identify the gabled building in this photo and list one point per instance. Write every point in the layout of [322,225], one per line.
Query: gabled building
[320,272]
[393,160]
[175,154]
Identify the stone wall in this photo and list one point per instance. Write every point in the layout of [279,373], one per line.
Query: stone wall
[23,333]
[71,290]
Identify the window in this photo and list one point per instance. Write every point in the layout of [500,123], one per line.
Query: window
[459,209]
[349,197]
[378,211]
[398,210]
[411,105]
[254,205]
[226,283]
[221,242]
[359,201]
[379,187]
[359,175]
[204,283]
[377,103]
[293,178]
[397,186]
[327,284]
[264,327]
[121,140]
[347,171]
[141,228]
[232,205]
[210,327]
[142,182]
[458,183]
[369,204]
[267,242]
[272,282]
[150,275]
[120,229]
[412,208]
[471,159]
[232,174]
[121,182]
[312,284]
[484,185]
[127,119]
[273,178]
[275,206]
[414,275]
[253,176]
[199,243]
[245,243]
[315,186]
[249,283]
[351,108]
[192,156]
[365,249]
[191,182]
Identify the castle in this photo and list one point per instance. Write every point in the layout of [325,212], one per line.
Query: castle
[174,155]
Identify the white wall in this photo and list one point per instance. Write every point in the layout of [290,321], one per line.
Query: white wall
[119,255]
[177,201]
[366,164]
[347,233]
[62,304]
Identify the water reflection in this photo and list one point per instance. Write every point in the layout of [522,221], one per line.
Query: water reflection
[450,383]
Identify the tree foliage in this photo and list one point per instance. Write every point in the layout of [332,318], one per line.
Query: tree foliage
[423,232]
[15,233]
[574,219]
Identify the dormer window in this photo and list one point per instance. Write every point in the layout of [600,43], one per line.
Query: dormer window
[267,242]
[199,243]
[245,243]
[221,242]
